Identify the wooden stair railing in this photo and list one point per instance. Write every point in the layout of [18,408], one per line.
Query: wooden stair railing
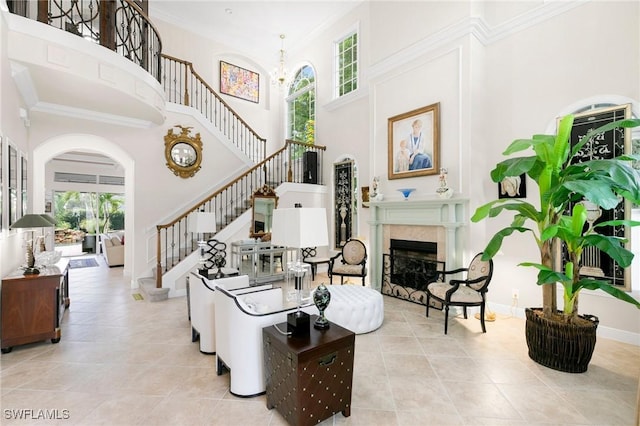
[183,85]
[174,241]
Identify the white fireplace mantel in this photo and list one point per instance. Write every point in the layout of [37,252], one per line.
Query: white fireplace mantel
[451,214]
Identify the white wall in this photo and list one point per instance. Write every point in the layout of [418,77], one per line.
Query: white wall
[499,70]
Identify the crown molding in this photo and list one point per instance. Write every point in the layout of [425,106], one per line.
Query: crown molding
[476,27]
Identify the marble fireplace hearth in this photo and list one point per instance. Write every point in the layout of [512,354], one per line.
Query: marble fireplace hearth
[434,220]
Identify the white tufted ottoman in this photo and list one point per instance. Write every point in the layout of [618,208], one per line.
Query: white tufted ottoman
[356,308]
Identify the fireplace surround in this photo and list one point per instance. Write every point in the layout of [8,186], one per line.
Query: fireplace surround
[432,220]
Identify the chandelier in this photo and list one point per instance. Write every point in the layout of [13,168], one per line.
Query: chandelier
[279,74]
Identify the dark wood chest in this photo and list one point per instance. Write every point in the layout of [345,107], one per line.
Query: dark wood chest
[309,379]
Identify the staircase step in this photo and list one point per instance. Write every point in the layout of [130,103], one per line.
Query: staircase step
[152,294]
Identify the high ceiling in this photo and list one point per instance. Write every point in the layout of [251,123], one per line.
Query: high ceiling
[253,28]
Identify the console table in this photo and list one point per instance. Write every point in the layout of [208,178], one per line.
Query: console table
[309,378]
[33,305]
[258,260]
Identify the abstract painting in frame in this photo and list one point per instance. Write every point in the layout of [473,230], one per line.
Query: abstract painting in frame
[239,82]
[414,143]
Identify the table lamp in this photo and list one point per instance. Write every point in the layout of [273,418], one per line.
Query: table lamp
[201,223]
[30,221]
[298,228]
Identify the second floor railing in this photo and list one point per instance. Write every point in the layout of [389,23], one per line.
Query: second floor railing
[183,85]
[174,240]
[119,25]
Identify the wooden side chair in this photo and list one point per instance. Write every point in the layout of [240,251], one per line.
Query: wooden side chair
[469,291]
[310,256]
[350,262]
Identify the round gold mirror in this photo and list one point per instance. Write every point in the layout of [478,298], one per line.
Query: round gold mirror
[183,152]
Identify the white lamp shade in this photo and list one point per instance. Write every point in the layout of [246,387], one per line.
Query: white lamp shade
[202,222]
[300,227]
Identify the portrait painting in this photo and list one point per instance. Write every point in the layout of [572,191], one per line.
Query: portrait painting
[239,82]
[414,143]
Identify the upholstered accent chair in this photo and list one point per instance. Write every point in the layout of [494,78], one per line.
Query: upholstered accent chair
[350,262]
[310,256]
[465,292]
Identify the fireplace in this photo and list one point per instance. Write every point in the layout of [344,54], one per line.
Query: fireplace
[434,234]
[409,268]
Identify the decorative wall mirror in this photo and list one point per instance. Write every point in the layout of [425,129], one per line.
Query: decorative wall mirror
[264,202]
[183,152]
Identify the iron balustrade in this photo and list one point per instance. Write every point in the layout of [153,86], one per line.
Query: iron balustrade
[183,85]
[119,25]
[174,241]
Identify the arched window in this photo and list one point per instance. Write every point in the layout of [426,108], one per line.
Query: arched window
[301,106]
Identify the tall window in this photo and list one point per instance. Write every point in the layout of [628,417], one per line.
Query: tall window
[301,104]
[346,64]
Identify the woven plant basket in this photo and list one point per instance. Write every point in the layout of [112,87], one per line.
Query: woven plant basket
[559,345]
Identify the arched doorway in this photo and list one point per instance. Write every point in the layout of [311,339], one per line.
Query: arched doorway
[87,143]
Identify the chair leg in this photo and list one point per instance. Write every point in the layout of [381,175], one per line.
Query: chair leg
[428,303]
[363,281]
[464,308]
[341,279]
[313,272]
[446,318]
[484,330]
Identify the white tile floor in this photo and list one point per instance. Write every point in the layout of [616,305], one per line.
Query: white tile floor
[127,362]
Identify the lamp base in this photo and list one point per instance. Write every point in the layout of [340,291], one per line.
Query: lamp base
[298,324]
[31,271]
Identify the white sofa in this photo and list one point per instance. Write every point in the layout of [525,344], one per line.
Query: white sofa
[202,307]
[239,319]
[112,247]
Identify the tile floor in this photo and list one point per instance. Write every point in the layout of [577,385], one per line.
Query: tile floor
[128,362]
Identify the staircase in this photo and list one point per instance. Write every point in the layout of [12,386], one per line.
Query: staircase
[184,86]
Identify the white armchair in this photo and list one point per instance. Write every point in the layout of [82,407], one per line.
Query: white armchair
[239,322]
[202,309]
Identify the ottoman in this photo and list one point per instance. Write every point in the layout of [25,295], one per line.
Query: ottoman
[356,308]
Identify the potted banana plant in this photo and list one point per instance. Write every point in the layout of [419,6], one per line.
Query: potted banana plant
[567,191]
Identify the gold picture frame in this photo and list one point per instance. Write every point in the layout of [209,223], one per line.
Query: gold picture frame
[414,143]
[183,152]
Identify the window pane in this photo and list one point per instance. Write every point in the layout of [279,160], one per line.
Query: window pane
[346,65]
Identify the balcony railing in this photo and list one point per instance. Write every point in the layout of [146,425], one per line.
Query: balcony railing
[119,25]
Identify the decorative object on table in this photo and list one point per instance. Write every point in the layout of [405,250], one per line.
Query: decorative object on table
[298,228]
[406,192]
[202,223]
[565,174]
[31,221]
[239,82]
[183,152]
[443,190]
[321,298]
[414,143]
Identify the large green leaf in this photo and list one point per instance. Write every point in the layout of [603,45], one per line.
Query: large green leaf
[595,284]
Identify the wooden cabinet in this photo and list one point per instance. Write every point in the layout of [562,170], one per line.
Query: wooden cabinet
[33,305]
[309,378]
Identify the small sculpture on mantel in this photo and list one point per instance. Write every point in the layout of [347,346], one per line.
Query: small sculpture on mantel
[443,190]
[375,186]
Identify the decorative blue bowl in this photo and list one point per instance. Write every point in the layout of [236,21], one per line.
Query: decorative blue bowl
[406,192]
